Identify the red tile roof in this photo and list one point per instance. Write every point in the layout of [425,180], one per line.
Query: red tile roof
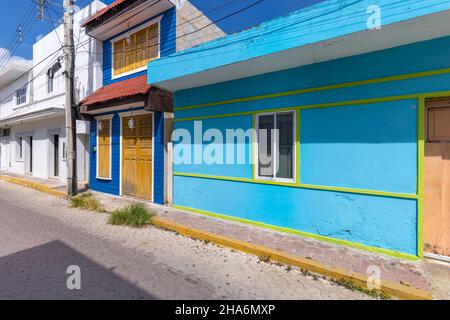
[103,11]
[119,90]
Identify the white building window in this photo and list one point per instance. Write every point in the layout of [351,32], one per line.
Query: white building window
[21,96]
[276,146]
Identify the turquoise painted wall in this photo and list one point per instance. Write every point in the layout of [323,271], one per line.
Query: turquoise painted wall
[369,146]
[372,146]
[374,221]
[237,170]
[325,20]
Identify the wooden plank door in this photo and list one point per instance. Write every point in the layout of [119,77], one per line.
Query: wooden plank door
[137,157]
[437,178]
[103,149]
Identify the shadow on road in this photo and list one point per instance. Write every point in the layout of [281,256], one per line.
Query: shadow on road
[41,273]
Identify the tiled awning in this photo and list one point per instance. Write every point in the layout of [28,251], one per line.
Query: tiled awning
[113,7]
[126,92]
[119,90]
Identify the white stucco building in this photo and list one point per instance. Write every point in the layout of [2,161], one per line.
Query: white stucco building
[32,104]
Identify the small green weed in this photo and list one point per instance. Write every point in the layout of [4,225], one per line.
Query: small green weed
[134,215]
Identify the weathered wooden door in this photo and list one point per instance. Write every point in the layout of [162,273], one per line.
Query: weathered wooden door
[137,157]
[437,178]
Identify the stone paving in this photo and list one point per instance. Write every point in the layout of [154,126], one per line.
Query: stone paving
[426,274]
[40,236]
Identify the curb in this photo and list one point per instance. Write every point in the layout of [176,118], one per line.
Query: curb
[389,288]
[34,185]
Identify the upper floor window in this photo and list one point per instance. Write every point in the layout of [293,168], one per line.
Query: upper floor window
[134,51]
[21,96]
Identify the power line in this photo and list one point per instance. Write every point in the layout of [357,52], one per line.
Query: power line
[213,22]
[174,38]
[17,36]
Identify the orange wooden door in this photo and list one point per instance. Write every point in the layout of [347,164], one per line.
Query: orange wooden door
[437,178]
[104,149]
[137,157]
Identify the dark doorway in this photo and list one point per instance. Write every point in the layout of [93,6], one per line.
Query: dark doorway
[56,155]
[31,154]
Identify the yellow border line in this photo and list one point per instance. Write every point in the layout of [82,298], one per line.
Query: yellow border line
[420,174]
[321,88]
[301,185]
[350,244]
[34,185]
[397,290]
[325,105]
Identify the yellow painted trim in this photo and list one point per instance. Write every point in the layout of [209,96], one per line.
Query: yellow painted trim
[301,185]
[34,185]
[389,288]
[420,174]
[320,105]
[346,243]
[321,88]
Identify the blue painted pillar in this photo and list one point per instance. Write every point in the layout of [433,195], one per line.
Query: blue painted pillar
[158,160]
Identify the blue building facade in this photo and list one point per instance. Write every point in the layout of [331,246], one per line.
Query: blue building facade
[127,115]
[346,163]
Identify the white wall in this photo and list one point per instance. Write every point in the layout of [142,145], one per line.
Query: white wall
[8,103]
[88,62]
[41,131]
[88,78]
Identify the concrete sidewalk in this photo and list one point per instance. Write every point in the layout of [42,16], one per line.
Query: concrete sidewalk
[54,187]
[425,275]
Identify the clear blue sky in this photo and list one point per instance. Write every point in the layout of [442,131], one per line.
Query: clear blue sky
[12,15]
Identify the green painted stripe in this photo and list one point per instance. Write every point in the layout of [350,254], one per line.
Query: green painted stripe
[346,243]
[320,105]
[321,88]
[301,185]
[324,105]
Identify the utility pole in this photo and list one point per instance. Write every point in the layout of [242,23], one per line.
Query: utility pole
[69,55]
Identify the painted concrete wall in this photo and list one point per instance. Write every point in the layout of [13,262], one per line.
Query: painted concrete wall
[194,27]
[321,22]
[41,131]
[88,64]
[88,71]
[112,186]
[8,102]
[363,146]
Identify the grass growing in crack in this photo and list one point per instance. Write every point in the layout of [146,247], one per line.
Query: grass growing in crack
[265,259]
[135,215]
[86,201]
[352,286]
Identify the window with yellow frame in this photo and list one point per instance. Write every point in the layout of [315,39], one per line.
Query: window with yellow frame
[136,50]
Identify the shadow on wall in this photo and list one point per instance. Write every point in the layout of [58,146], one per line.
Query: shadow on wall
[40,273]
